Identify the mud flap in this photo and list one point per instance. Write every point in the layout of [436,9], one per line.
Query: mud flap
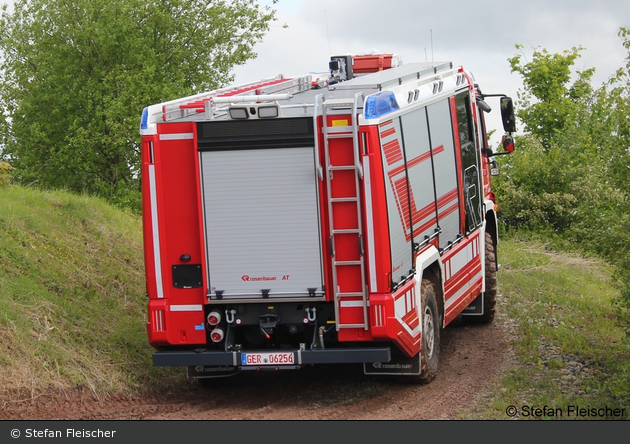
[475,308]
[398,365]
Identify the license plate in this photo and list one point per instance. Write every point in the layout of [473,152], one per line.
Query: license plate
[272,358]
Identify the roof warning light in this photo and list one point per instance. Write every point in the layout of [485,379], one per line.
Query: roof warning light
[380,104]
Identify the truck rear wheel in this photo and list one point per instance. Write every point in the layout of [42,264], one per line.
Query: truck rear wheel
[431,326]
[490,296]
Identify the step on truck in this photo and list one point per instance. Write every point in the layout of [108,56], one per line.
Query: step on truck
[343,216]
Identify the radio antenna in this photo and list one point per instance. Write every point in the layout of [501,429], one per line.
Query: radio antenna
[327,35]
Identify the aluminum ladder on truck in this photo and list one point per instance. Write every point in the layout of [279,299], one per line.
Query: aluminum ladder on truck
[343,175]
[203,106]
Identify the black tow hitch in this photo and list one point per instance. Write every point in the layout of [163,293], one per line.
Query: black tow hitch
[267,322]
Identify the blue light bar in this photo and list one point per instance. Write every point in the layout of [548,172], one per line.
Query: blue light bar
[145,119]
[380,104]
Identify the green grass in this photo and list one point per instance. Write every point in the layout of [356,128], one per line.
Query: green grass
[569,349]
[72,295]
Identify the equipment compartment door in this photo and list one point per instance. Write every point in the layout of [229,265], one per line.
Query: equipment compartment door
[261,222]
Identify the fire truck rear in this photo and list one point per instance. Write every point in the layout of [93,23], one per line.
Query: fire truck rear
[340,217]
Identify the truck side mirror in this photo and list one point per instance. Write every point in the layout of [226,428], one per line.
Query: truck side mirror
[507,115]
[508,143]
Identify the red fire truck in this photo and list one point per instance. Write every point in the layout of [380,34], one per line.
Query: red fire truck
[339,217]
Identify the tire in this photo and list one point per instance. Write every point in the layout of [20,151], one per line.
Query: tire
[431,327]
[490,296]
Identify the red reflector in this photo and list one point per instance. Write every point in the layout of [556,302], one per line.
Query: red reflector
[216,335]
[214,318]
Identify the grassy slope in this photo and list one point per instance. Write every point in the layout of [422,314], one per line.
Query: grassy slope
[72,310]
[71,294]
[569,349]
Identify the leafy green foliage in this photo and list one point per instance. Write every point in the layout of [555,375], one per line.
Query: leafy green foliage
[571,177]
[5,172]
[77,74]
[548,182]
[549,104]
[536,190]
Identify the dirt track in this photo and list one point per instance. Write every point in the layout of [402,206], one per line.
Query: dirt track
[470,356]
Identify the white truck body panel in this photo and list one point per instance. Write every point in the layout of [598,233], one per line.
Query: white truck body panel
[261,222]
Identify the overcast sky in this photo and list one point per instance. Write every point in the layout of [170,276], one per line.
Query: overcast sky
[479,35]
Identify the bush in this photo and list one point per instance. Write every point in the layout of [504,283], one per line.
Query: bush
[5,173]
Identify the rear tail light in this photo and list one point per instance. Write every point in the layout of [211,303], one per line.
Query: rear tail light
[217,335]
[214,318]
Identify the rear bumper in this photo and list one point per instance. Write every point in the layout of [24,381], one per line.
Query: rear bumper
[301,357]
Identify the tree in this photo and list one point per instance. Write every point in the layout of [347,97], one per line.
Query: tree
[610,127]
[549,103]
[76,75]
[572,174]
[611,121]
[546,182]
